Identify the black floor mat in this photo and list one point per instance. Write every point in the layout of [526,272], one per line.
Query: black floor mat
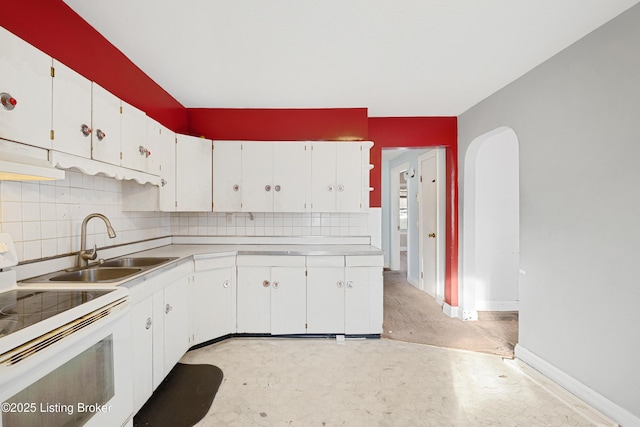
[182,399]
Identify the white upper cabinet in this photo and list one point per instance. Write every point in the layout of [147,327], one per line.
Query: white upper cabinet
[259,176]
[135,142]
[164,143]
[227,176]
[71,116]
[193,174]
[105,120]
[337,183]
[291,172]
[25,92]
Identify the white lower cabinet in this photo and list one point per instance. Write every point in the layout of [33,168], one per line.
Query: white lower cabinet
[213,299]
[343,297]
[159,329]
[271,294]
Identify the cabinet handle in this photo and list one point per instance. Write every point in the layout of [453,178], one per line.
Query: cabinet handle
[163,182]
[168,308]
[236,187]
[86,130]
[349,284]
[144,151]
[226,284]
[148,324]
[276,285]
[340,284]
[8,101]
[341,188]
[101,135]
[331,188]
[265,283]
[267,188]
[277,188]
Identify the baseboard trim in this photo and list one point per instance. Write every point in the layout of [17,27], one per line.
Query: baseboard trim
[449,310]
[602,412]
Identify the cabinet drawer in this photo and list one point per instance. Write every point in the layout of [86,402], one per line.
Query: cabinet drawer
[325,261]
[364,261]
[271,260]
[201,264]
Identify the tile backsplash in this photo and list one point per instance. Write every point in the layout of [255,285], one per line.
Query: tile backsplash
[44,218]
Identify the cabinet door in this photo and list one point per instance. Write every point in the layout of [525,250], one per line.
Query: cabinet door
[356,307]
[254,299]
[142,351]
[323,177]
[193,173]
[105,121]
[165,146]
[291,166]
[134,142]
[25,80]
[257,177]
[176,322]
[71,119]
[325,300]
[227,176]
[214,304]
[288,300]
[349,177]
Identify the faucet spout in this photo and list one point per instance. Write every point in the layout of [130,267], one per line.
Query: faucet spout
[85,255]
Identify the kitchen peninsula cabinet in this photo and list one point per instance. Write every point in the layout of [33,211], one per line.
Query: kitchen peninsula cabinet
[25,92]
[213,299]
[193,174]
[271,294]
[344,295]
[71,116]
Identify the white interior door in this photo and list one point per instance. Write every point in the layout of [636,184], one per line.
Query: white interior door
[429,223]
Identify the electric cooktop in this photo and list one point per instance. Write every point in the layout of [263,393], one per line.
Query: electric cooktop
[21,308]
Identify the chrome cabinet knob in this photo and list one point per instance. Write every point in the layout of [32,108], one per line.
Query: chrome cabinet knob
[100,135]
[331,188]
[226,284]
[276,285]
[266,283]
[236,187]
[433,235]
[340,187]
[148,324]
[277,188]
[163,182]
[340,284]
[349,284]
[267,188]
[8,101]
[168,308]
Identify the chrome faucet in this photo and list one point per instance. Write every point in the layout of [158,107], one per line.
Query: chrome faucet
[85,255]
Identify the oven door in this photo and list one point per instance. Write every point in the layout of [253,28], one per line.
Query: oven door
[83,378]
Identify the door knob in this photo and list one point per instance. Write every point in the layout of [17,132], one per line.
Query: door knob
[432,235]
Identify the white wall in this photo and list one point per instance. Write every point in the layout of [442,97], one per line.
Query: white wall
[491,224]
[577,121]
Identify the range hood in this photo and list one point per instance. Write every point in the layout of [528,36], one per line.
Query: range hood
[19,162]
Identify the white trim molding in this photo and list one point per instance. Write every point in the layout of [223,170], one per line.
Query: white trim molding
[603,411]
[449,310]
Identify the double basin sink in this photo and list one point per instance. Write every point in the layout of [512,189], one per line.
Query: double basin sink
[109,271]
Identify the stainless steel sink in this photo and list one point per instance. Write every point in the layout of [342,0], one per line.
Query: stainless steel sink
[135,262]
[95,274]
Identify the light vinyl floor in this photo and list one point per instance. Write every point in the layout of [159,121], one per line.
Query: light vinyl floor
[321,382]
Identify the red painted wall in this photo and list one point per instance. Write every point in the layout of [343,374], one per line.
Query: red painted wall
[263,124]
[389,132]
[54,28]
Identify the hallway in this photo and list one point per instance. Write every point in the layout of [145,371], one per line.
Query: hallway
[412,315]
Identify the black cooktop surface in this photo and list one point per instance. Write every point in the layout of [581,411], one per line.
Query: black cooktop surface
[21,308]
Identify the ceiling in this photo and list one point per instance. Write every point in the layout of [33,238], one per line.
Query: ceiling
[394,57]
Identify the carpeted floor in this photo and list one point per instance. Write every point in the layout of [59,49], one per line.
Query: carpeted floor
[413,316]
